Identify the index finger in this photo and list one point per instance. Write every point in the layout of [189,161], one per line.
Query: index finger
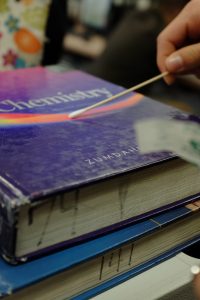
[171,39]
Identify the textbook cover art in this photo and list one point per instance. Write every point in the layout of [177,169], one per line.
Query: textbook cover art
[42,150]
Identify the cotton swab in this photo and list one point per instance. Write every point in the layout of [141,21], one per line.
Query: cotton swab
[136,87]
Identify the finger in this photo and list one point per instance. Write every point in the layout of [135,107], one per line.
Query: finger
[165,49]
[184,61]
[166,46]
[171,39]
[197,286]
[184,27]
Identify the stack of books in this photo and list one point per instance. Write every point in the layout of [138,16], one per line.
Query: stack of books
[81,210]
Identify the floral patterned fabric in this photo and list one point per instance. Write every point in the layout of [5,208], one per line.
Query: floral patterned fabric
[22,32]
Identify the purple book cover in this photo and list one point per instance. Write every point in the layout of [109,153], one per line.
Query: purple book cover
[38,139]
[43,152]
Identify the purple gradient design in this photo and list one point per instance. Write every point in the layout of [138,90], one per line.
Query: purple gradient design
[67,145]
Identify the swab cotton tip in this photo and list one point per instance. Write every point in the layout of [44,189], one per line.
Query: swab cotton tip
[76,113]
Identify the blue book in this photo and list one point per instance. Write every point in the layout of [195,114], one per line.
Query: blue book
[63,181]
[85,270]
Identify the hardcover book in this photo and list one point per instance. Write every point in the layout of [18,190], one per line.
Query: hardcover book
[85,270]
[64,180]
[169,280]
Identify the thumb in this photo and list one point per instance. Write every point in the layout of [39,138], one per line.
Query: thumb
[185,60]
[197,286]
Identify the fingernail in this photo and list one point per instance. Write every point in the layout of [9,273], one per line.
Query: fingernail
[174,64]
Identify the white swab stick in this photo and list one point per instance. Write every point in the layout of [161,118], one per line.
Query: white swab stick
[136,87]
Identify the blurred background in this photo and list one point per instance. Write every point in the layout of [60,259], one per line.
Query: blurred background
[112,39]
[116,40]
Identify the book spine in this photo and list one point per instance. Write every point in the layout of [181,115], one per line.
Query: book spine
[7,229]
[11,200]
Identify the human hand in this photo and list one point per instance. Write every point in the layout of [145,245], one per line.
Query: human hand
[195,270]
[179,43]
[197,286]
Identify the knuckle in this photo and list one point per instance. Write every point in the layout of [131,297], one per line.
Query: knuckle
[193,55]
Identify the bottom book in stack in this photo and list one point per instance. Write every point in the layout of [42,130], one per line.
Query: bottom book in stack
[170,280]
[90,268]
